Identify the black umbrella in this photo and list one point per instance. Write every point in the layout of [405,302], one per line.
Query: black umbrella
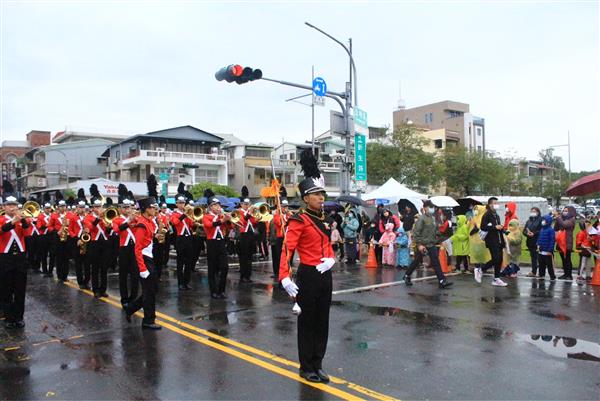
[464,205]
[329,206]
[355,200]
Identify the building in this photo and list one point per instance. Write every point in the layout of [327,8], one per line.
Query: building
[532,173]
[249,165]
[12,154]
[439,139]
[181,154]
[63,164]
[454,117]
[69,135]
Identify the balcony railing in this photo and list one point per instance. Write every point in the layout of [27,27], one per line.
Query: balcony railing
[221,156]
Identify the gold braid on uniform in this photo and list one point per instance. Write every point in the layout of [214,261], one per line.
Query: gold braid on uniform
[317,215]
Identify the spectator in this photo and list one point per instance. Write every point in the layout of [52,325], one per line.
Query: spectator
[493,235]
[408,218]
[350,227]
[460,244]
[387,241]
[510,213]
[565,221]
[403,255]
[545,243]
[532,232]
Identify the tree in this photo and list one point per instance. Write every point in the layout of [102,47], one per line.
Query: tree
[401,155]
[198,190]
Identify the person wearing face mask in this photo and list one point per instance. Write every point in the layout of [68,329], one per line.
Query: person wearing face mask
[426,236]
[545,243]
[566,221]
[494,240]
[532,232]
[510,213]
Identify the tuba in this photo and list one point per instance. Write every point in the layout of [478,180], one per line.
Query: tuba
[31,209]
[198,213]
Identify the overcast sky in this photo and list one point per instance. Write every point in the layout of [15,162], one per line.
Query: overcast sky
[530,69]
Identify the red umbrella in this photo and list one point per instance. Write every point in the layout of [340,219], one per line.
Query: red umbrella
[585,185]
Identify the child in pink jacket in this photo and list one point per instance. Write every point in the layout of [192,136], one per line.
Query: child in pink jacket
[387,240]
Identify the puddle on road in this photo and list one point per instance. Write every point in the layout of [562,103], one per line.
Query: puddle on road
[551,315]
[563,347]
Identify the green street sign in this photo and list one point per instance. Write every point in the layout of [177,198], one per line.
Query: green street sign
[360,117]
[163,177]
[190,165]
[360,157]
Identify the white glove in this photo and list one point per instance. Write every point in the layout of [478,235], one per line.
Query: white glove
[326,265]
[144,274]
[289,286]
[296,310]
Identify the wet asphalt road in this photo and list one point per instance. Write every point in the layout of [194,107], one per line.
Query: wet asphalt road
[532,340]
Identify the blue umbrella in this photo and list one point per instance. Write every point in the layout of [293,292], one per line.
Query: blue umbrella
[329,206]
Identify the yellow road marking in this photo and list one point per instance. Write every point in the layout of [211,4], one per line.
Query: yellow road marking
[292,375]
[11,348]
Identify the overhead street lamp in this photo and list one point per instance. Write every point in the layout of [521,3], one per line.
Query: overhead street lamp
[568,146]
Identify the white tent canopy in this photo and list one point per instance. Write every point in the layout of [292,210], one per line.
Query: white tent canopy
[393,191]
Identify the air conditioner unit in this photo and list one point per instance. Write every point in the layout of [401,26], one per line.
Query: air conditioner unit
[160,149]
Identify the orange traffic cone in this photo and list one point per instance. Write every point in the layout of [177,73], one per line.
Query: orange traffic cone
[372,259]
[596,274]
[443,256]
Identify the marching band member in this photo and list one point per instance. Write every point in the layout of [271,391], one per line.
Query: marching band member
[182,225]
[128,272]
[59,223]
[215,225]
[247,243]
[309,234]
[279,225]
[76,230]
[13,263]
[31,243]
[165,213]
[45,239]
[144,236]
[160,246]
[98,248]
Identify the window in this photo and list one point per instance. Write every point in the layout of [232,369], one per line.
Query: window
[479,131]
[438,143]
[426,118]
[266,153]
[479,148]
[454,113]
[118,155]
[207,175]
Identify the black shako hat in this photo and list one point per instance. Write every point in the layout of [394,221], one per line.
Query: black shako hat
[145,203]
[313,180]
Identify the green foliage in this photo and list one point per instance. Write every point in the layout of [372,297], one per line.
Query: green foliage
[404,159]
[198,190]
[69,192]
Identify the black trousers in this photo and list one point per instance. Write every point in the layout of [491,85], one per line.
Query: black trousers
[52,240]
[42,251]
[99,254]
[546,263]
[351,252]
[247,246]
[62,259]
[128,274]
[183,246]
[148,298]
[496,260]
[314,298]
[218,267]
[434,258]
[197,243]
[158,256]
[534,259]
[276,248]
[31,246]
[82,265]
[13,285]
[462,260]
[113,240]
[567,264]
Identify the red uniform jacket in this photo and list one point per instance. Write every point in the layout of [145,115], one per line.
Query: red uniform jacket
[32,230]
[12,232]
[310,238]
[280,223]
[214,226]
[56,220]
[247,222]
[95,226]
[43,223]
[123,228]
[182,223]
[76,225]
[144,235]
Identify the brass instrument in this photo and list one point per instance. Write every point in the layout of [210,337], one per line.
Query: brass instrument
[83,241]
[265,213]
[110,214]
[64,229]
[2,212]
[198,213]
[162,231]
[235,217]
[31,209]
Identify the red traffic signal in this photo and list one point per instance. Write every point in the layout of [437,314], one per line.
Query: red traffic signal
[237,73]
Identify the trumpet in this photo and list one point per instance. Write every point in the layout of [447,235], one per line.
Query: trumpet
[31,209]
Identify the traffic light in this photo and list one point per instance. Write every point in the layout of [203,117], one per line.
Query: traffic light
[238,74]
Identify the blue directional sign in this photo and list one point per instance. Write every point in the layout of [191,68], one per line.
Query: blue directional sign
[319,86]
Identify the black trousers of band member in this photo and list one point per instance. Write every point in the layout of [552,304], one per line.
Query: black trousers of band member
[43,245]
[13,285]
[82,264]
[495,261]
[247,246]
[62,259]
[218,266]
[197,244]
[33,257]
[167,250]
[276,248]
[128,274]
[314,298]
[113,240]
[183,246]
[434,261]
[99,254]
[52,241]
[158,256]
[147,299]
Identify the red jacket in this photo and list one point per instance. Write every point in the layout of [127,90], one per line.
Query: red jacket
[247,222]
[43,223]
[280,222]
[214,226]
[123,228]
[12,232]
[76,225]
[182,223]
[144,235]
[582,240]
[308,239]
[56,220]
[511,215]
[95,226]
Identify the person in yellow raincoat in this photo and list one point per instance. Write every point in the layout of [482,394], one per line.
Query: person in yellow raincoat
[478,253]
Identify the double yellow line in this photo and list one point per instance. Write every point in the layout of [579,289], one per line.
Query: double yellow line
[250,355]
